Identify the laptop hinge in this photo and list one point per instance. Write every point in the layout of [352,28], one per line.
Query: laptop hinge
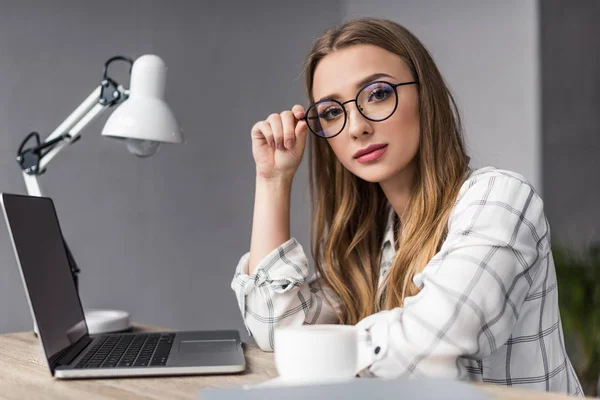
[74,350]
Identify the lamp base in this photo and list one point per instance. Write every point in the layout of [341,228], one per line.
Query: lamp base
[102,321]
[107,321]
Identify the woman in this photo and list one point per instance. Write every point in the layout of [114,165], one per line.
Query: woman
[449,269]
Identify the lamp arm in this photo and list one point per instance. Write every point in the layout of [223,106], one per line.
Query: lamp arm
[33,160]
[76,115]
[73,133]
[30,174]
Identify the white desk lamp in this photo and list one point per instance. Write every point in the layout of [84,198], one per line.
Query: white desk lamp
[143,120]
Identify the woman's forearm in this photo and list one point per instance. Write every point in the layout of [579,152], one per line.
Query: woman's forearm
[271,219]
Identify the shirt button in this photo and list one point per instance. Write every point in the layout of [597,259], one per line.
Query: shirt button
[377,350]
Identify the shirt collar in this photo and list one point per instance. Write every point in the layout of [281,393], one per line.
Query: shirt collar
[388,235]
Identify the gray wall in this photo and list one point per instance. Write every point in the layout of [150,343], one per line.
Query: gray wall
[488,53]
[158,237]
[570,49]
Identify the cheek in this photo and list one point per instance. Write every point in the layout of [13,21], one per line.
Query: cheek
[407,116]
[337,146]
[405,125]
[341,151]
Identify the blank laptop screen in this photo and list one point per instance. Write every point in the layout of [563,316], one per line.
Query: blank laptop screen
[43,258]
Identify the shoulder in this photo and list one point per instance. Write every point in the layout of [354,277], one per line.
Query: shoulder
[493,184]
[499,201]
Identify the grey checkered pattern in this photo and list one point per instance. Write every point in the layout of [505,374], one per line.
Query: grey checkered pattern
[488,305]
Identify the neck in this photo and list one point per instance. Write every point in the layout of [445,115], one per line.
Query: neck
[398,189]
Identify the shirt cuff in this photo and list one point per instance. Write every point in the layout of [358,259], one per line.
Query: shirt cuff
[377,345]
[282,269]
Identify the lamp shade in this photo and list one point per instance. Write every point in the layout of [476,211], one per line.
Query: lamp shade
[145,117]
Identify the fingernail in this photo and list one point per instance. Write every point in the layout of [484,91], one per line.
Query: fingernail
[289,143]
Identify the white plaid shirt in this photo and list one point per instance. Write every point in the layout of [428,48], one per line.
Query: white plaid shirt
[487,309]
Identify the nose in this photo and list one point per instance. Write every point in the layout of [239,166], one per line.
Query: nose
[358,125]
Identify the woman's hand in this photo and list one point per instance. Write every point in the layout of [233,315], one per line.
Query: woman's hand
[278,143]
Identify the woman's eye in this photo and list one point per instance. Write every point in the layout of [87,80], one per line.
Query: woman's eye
[379,94]
[330,113]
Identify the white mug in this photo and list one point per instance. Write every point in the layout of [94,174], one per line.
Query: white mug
[313,353]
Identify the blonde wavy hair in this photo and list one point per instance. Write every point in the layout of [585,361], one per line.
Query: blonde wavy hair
[350,214]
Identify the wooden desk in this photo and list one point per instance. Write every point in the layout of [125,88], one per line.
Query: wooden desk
[24,374]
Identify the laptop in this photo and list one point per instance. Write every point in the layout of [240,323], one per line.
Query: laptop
[69,348]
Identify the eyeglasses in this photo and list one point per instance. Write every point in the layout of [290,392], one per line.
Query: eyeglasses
[377,101]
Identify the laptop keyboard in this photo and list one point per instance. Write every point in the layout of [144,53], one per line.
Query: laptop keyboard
[139,350]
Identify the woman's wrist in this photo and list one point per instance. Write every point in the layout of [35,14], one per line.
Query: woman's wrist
[275,182]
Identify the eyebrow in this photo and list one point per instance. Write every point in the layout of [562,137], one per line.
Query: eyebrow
[359,84]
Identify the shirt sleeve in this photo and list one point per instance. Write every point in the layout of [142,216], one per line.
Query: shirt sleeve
[471,292]
[280,293]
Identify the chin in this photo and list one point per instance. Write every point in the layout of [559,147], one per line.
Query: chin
[380,173]
[373,176]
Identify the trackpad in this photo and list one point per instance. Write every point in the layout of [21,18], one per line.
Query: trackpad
[206,346]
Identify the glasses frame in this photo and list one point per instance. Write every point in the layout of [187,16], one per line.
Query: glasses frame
[359,108]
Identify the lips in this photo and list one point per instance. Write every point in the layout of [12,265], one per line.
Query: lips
[368,149]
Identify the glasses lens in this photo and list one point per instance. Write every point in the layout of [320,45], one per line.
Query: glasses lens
[377,101]
[326,118]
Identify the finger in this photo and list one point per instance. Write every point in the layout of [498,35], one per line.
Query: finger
[301,132]
[263,129]
[289,129]
[298,111]
[277,128]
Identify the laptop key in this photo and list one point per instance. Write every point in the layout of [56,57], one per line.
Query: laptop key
[111,364]
[158,361]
